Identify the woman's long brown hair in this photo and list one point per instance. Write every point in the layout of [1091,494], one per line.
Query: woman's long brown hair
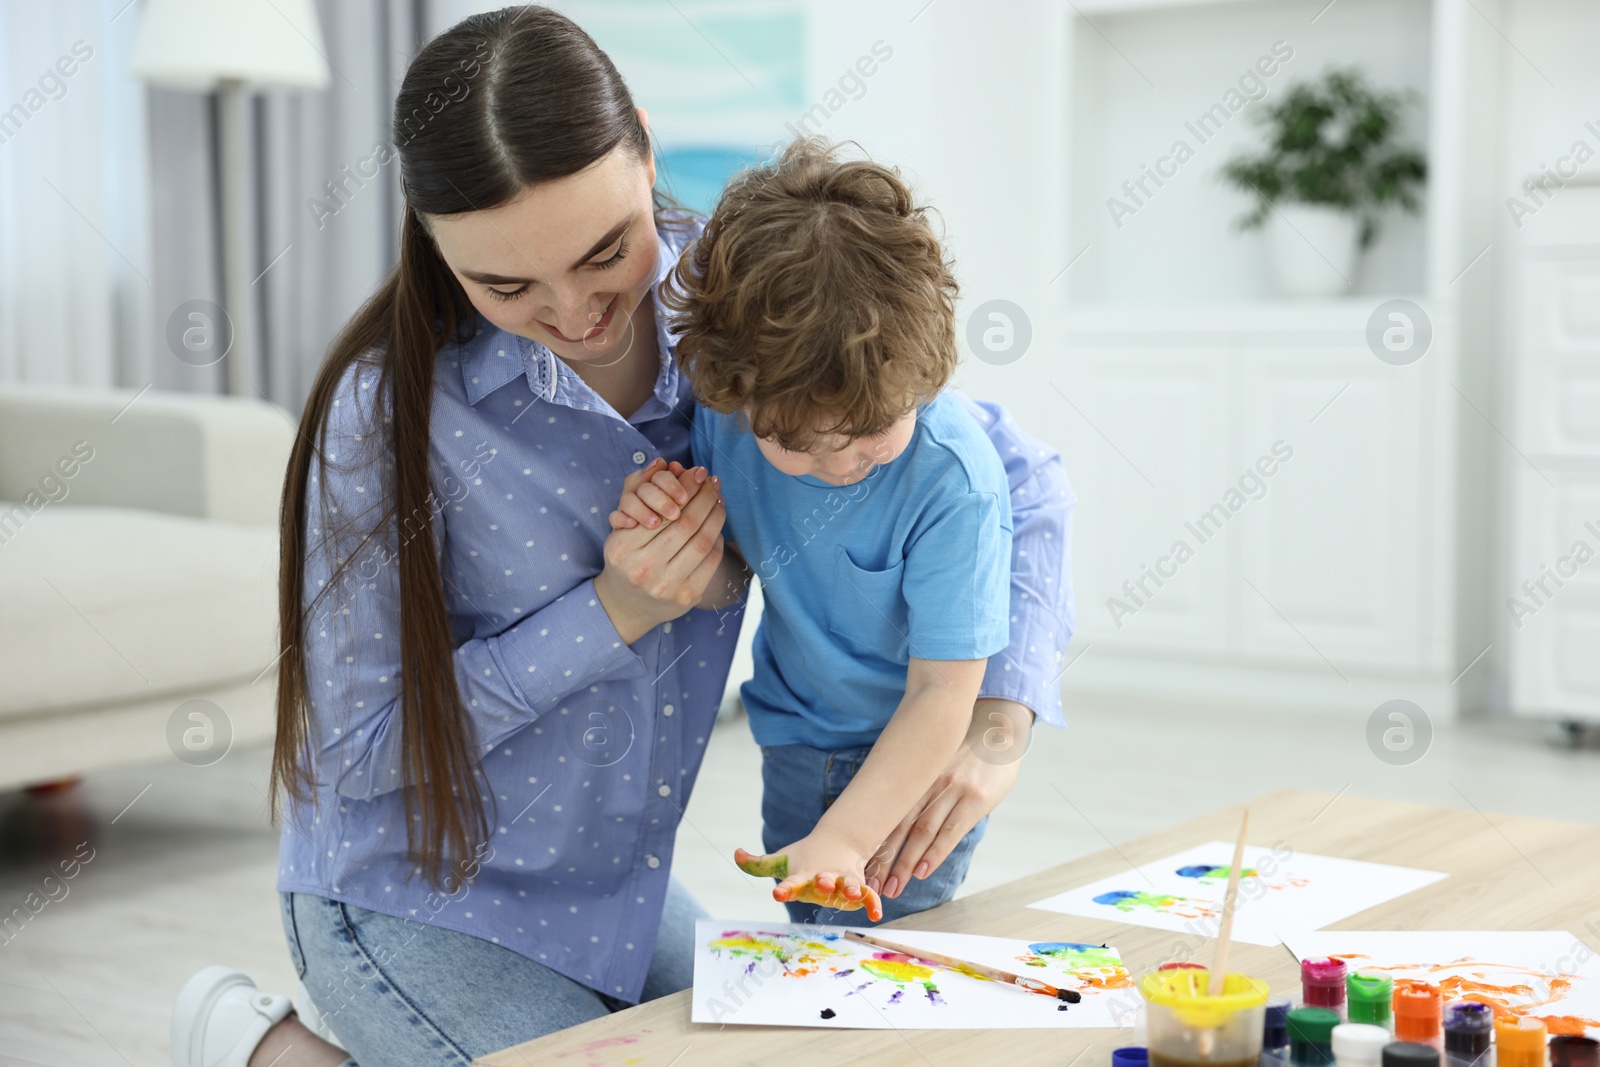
[498,103]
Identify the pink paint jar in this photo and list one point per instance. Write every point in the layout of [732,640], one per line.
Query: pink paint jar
[1322,983]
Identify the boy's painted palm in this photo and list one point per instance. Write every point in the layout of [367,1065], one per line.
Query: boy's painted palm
[829,889]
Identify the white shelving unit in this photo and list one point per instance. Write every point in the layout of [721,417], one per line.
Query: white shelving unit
[1343,579]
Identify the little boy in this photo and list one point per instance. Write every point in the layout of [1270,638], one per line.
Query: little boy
[817,324]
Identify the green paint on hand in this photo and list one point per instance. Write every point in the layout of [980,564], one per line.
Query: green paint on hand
[766,866]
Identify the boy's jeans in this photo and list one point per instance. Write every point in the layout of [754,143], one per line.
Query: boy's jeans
[798,784]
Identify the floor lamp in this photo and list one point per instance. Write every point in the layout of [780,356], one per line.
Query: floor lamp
[232,46]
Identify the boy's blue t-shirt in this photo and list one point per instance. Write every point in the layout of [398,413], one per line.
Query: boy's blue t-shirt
[913,560]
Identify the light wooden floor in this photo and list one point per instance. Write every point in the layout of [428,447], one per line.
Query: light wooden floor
[183,877]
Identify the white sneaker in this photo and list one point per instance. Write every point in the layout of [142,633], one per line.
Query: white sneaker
[221,1017]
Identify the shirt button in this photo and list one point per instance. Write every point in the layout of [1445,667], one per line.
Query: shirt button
[639,457]
[667,709]
[652,862]
[665,790]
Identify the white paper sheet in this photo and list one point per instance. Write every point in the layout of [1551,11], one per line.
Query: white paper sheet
[785,974]
[1280,891]
[1548,974]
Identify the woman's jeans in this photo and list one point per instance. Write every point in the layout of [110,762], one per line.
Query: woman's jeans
[442,997]
[799,783]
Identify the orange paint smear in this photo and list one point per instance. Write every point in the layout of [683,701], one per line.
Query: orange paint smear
[1090,977]
[1116,978]
[1567,1025]
[808,893]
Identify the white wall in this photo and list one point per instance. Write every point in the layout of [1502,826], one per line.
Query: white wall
[970,107]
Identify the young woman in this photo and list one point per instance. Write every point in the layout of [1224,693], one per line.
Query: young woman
[493,707]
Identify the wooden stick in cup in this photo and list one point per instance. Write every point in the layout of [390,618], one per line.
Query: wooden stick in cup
[1219,964]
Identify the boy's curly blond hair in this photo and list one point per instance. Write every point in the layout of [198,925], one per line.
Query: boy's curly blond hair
[817,301]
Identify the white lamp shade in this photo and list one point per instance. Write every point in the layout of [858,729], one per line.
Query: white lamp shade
[194,44]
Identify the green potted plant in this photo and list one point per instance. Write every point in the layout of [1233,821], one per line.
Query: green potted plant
[1330,167]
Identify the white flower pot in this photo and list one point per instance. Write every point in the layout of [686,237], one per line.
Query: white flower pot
[1314,249]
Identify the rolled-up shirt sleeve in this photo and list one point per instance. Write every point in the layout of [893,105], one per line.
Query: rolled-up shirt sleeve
[352,632]
[1043,613]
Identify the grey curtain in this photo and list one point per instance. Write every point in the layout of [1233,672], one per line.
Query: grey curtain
[327,213]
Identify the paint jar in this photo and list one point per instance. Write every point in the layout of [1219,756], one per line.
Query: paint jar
[1322,983]
[1358,1044]
[1275,1034]
[1186,1026]
[1370,999]
[1410,1054]
[1520,1042]
[1418,1013]
[1568,1050]
[1311,1036]
[1468,1029]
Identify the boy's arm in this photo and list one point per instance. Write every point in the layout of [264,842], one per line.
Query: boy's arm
[828,865]
[924,732]
[972,785]
[1022,682]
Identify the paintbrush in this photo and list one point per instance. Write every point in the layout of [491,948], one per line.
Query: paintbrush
[977,970]
[1219,963]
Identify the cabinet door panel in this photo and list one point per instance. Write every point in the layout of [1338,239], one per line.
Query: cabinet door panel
[1553,603]
[1560,357]
[1332,549]
[1148,432]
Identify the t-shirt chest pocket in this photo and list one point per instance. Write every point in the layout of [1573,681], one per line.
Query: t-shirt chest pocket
[867,608]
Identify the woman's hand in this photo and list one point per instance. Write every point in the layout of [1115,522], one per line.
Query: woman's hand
[652,576]
[973,784]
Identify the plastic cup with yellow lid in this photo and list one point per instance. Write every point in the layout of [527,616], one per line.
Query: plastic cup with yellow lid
[1186,1025]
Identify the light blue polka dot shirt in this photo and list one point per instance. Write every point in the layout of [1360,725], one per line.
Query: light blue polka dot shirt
[589,746]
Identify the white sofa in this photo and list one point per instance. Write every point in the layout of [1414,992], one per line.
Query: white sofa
[138,571]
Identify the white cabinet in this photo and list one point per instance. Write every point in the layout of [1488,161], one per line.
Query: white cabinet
[1332,556]
[1145,430]
[1552,595]
[1257,493]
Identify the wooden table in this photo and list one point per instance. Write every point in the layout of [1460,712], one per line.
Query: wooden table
[1506,873]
